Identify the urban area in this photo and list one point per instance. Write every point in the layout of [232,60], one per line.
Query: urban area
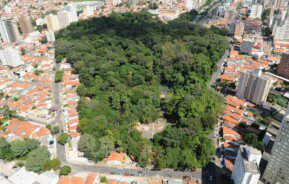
[144,91]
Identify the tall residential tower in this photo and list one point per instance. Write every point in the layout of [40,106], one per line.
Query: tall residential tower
[254,86]
[8,30]
[277,170]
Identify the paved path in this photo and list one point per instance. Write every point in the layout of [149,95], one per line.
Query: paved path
[217,74]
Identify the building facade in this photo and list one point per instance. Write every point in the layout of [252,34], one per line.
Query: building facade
[52,22]
[10,57]
[88,11]
[64,18]
[281,33]
[73,11]
[25,24]
[8,30]
[256,11]
[50,36]
[283,67]
[246,167]
[254,86]
[277,170]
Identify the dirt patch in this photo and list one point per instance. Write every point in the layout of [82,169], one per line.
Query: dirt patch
[149,130]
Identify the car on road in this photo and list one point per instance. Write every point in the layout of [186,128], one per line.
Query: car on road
[112,172]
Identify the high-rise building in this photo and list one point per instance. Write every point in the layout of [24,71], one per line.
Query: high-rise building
[8,30]
[64,18]
[282,31]
[73,11]
[277,169]
[25,24]
[10,57]
[254,86]
[52,22]
[246,167]
[189,5]
[50,36]
[283,67]
[256,11]
[88,11]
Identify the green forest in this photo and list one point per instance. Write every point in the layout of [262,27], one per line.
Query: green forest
[134,68]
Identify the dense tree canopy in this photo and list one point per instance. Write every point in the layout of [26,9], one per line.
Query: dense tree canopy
[134,68]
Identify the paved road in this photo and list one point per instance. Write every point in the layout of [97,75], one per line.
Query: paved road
[217,74]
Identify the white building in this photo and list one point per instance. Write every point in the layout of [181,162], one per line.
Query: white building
[40,22]
[189,5]
[50,36]
[246,168]
[52,22]
[256,11]
[64,18]
[10,57]
[282,31]
[248,3]
[22,176]
[8,30]
[88,11]
[73,11]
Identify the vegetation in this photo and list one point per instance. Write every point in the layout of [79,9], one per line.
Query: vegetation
[65,170]
[153,6]
[37,159]
[126,62]
[43,40]
[265,15]
[58,76]
[253,140]
[52,164]
[277,99]
[37,72]
[40,28]
[34,156]
[53,130]
[63,138]
[103,179]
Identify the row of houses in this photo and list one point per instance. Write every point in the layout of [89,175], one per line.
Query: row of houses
[69,102]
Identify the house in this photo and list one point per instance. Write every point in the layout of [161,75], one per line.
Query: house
[115,158]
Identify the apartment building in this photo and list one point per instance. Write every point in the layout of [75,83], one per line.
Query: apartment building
[254,86]
[10,57]
[246,167]
[256,11]
[8,30]
[277,169]
[25,23]
[88,11]
[64,18]
[50,36]
[283,67]
[52,22]
[73,11]
[281,32]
